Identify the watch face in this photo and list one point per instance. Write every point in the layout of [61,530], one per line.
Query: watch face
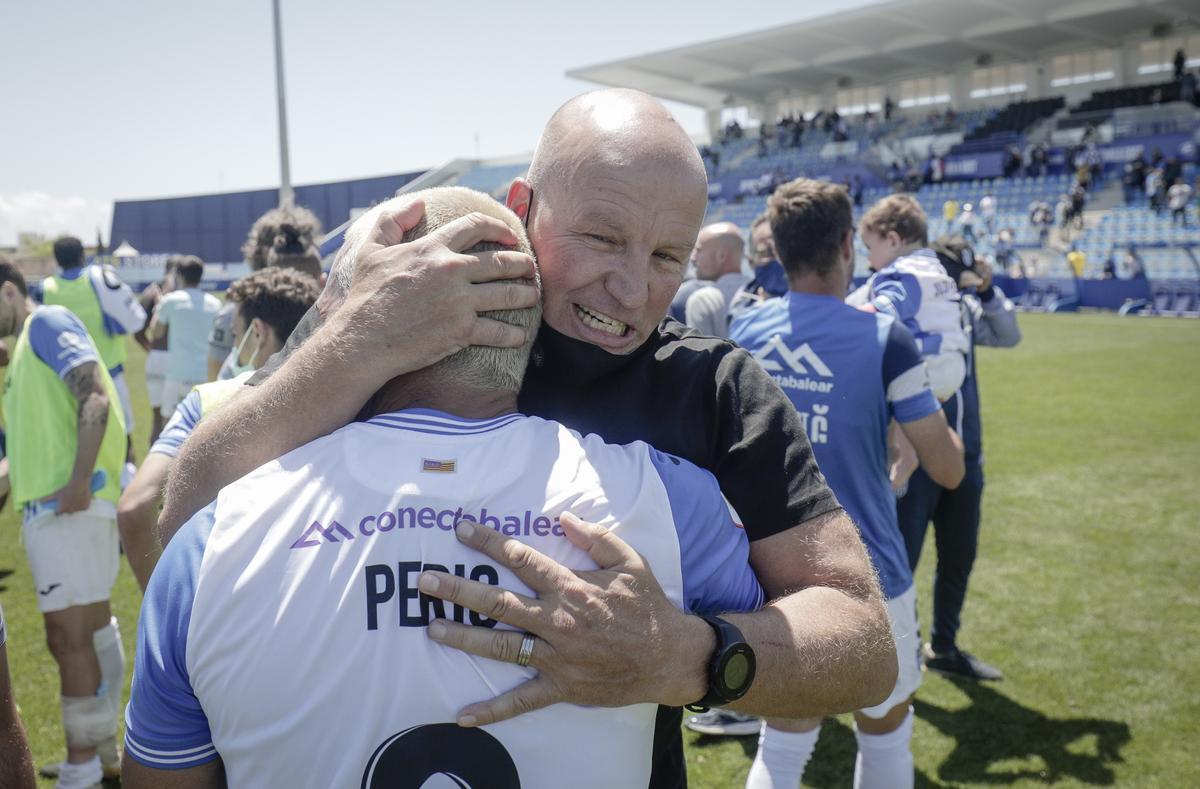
[737,671]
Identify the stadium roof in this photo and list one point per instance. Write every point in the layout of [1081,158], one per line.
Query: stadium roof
[879,43]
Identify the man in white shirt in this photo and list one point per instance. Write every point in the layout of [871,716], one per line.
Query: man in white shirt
[718,260]
[1178,197]
[185,317]
[297,596]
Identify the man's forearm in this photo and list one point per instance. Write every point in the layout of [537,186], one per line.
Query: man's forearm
[824,643]
[819,652]
[92,420]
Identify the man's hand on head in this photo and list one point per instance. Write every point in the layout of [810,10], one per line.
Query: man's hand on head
[607,637]
[425,297]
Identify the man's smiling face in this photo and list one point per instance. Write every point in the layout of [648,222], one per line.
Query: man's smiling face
[612,241]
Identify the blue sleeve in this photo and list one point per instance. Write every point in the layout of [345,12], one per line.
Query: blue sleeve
[60,340]
[897,294]
[180,426]
[714,552]
[905,378]
[165,727]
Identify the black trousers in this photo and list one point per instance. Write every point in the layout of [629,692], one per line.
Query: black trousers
[955,516]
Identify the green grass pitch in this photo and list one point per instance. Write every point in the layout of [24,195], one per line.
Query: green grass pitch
[1086,591]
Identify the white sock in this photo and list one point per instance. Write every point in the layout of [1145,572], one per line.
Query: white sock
[885,761]
[110,652]
[781,758]
[79,776]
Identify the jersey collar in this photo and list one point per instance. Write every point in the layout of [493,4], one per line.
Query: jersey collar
[434,422]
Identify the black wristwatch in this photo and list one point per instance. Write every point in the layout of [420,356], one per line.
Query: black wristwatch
[731,670]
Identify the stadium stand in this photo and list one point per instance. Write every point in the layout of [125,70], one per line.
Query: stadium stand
[958,116]
[1016,117]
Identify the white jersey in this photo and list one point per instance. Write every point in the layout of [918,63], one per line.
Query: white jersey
[916,290]
[708,309]
[117,301]
[283,630]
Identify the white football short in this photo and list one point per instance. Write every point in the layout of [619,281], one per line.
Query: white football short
[74,558]
[173,393]
[156,376]
[902,611]
[126,404]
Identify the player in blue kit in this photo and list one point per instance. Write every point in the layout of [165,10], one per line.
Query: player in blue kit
[294,597]
[849,373]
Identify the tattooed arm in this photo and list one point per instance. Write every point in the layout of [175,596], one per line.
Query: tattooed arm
[87,387]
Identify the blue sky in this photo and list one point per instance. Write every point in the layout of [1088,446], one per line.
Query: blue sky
[132,98]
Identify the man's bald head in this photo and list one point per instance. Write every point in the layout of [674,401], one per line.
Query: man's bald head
[718,250]
[617,126]
[480,366]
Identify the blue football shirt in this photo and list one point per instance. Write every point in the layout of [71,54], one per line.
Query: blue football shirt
[848,373]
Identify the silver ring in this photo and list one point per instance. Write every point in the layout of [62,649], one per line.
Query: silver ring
[526,650]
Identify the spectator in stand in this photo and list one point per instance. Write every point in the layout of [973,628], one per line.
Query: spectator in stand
[966,222]
[889,107]
[1078,201]
[1004,249]
[987,212]
[185,317]
[1187,87]
[1110,266]
[950,211]
[1156,190]
[156,349]
[1077,260]
[1062,214]
[1012,161]
[1134,180]
[856,190]
[763,133]
[1172,171]
[1156,157]
[1134,267]
[1041,216]
[1180,62]
[718,261]
[1178,198]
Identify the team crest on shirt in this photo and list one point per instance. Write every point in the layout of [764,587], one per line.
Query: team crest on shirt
[438,466]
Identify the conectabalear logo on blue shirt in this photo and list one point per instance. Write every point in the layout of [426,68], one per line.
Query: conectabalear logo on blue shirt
[333,532]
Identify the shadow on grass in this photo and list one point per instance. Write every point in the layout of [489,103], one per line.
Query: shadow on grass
[995,729]
[4,574]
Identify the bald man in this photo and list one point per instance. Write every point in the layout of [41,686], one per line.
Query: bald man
[718,261]
[613,203]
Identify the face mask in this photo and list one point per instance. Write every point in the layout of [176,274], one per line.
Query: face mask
[237,367]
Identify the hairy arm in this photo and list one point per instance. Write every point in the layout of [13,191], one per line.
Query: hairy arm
[207,776]
[823,644]
[16,763]
[137,515]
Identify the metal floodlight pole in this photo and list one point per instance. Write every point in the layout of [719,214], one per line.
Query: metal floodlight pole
[285,171]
